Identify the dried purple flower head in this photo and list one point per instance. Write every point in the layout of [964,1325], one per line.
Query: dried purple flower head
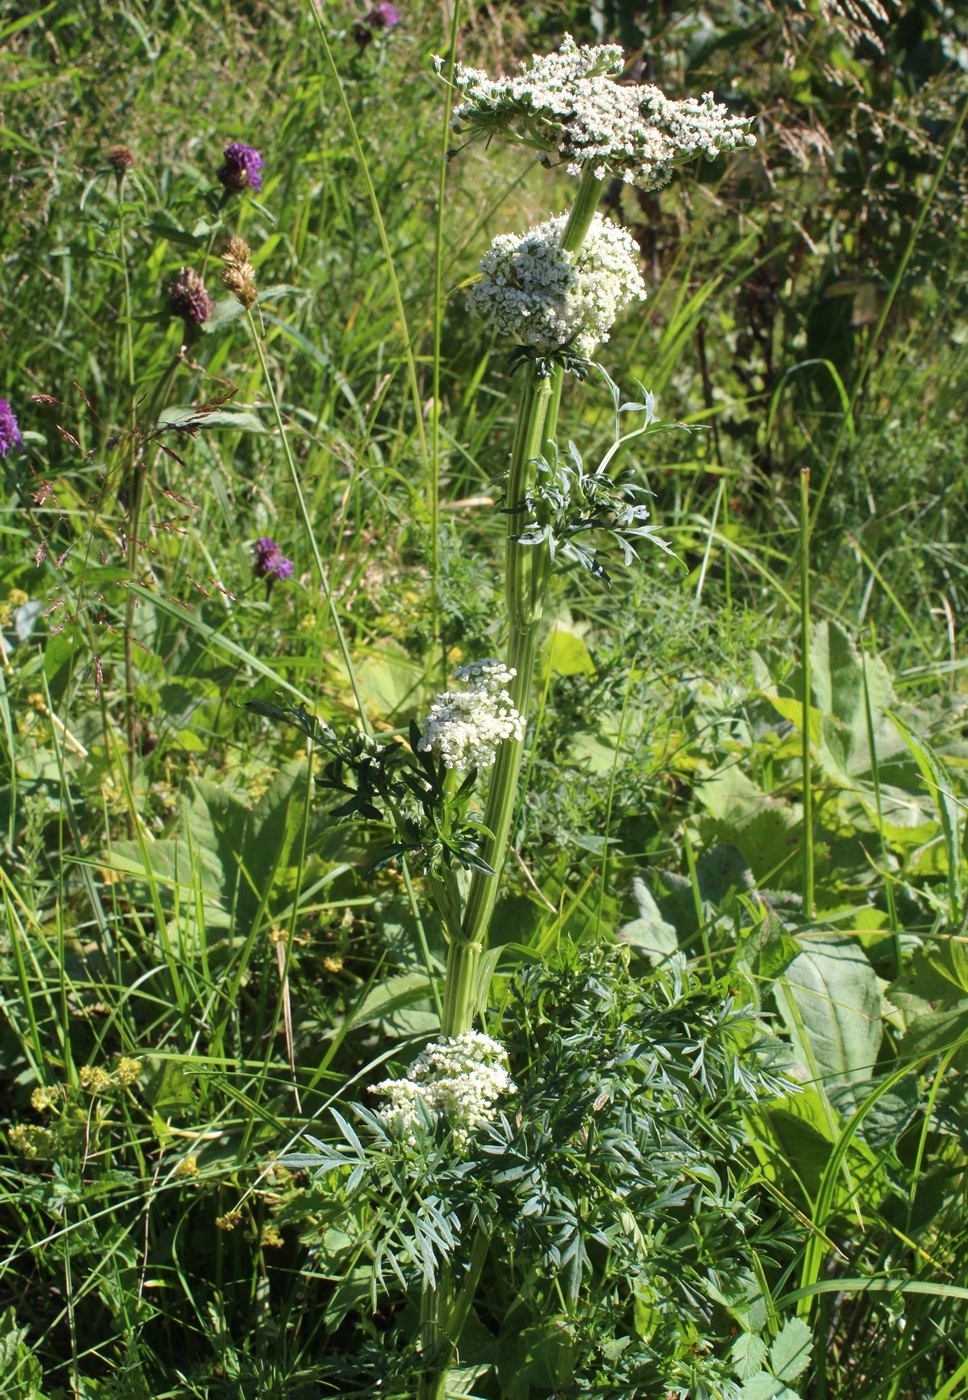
[9,429]
[120,159]
[382,16]
[188,298]
[240,170]
[269,561]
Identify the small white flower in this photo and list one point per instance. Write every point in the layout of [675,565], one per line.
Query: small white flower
[459,1079]
[466,727]
[569,103]
[542,296]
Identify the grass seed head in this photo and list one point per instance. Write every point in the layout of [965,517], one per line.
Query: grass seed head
[238,273]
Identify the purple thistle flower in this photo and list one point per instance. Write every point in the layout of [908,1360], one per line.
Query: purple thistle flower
[241,168]
[269,561]
[382,16]
[9,429]
[188,298]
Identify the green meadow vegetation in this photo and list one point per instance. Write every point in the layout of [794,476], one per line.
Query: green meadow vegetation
[259,505]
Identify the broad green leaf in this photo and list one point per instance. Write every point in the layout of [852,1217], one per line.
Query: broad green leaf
[760,826]
[567,654]
[768,948]
[797,1142]
[939,784]
[831,1004]
[649,932]
[390,681]
[747,1355]
[838,677]
[790,1351]
[171,1089]
[762,1386]
[937,1032]
[21,1371]
[403,1002]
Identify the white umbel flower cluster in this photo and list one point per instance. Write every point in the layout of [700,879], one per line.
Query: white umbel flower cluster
[532,290]
[458,1078]
[465,727]
[569,104]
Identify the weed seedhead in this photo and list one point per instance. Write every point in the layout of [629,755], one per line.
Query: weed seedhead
[239,274]
[188,298]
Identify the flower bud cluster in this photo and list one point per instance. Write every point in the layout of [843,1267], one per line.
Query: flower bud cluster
[569,104]
[458,1079]
[542,296]
[465,727]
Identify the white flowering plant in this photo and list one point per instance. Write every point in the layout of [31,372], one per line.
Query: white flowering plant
[569,105]
[587,1163]
[414,798]
[466,727]
[457,1080]
[605,1180]
[549,298]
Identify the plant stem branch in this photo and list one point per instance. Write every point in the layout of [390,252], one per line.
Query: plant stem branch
[808,884]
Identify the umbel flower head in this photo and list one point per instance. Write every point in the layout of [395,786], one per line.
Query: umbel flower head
[239,274]
[269,562]
[188,298]
[568,105]
[544,297]
[241,169]
[458,1079]
[9,429]
[465,727]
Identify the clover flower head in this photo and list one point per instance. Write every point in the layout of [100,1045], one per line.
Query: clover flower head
[241,169]
[547,298]
[269,562]
[9,429]
[457,1078]
[569,105]
[188,298]
[466,727]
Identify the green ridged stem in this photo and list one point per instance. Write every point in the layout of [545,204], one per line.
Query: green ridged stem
[522,565]
[528,570]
